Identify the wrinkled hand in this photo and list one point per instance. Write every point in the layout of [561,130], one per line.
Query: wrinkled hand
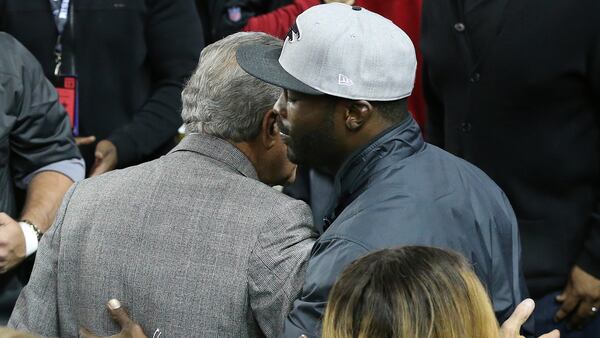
[511,328]
[84,140]
[581,294]
[130,329]
[12,243]
[106,158]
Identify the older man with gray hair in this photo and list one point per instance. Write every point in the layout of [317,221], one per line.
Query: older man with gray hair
[196,243]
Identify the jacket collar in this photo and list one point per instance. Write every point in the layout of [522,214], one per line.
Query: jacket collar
[217,149]
[390,147]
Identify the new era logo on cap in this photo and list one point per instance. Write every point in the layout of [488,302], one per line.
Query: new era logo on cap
[343,80]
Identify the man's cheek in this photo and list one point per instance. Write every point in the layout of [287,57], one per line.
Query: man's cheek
[292,174]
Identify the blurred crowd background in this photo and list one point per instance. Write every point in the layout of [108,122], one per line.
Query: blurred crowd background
[512,87]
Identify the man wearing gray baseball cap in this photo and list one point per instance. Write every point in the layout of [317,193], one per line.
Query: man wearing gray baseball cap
[346,74]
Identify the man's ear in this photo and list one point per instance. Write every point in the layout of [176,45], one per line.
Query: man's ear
[357,114]
[269,130]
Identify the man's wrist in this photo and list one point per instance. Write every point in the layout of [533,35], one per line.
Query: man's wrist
[32,236]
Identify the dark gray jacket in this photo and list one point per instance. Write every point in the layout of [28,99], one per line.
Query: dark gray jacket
[400,191]
[34,128]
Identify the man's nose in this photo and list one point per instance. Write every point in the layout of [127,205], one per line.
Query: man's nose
[280,106]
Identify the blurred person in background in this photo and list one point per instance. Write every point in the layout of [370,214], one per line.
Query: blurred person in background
[196,242]
[38,159]
[127,59]
[224,17]
[415,292]
[514,88]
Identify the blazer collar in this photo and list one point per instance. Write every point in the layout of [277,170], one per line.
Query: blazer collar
[217,149]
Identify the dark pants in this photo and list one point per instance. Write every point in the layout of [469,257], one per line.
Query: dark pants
[545,309]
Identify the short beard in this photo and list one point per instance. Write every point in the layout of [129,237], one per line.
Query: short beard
[316,149]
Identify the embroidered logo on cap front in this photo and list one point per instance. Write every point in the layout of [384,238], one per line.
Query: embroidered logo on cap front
[294,32]
[343,80]
[234,13]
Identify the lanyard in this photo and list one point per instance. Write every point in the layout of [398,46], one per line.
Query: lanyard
[60,11]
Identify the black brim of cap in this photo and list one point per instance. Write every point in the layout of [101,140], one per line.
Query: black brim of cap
[262,61]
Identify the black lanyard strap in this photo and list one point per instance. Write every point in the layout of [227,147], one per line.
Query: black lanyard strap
[60,11]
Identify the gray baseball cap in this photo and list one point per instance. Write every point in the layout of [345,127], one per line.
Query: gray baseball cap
[340,50]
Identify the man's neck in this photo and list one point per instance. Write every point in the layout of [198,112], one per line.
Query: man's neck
[358,140]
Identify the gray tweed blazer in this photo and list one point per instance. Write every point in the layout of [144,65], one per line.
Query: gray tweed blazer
[192,243]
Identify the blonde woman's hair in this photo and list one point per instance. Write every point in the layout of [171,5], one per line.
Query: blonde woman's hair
[10,333]
[409,292]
